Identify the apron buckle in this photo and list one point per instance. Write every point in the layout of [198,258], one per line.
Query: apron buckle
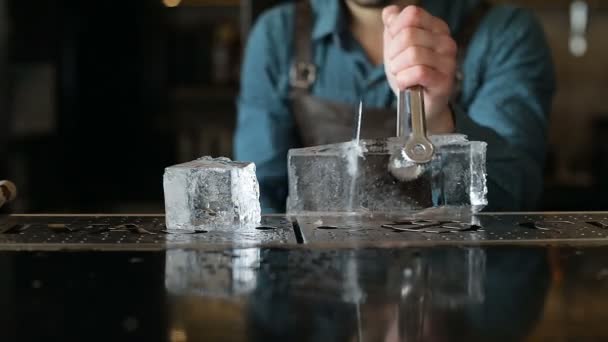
[302,75]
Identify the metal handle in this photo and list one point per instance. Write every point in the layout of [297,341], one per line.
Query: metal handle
[403,117]
[416,100]
[418,147]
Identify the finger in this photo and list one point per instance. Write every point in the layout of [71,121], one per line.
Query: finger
[422,56]
[389,13]
[432,80]
[413,16]
[412,36]
[387,43]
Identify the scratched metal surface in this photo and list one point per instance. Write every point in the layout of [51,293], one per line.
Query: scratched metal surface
[148,232]
[130,232]
[485,228]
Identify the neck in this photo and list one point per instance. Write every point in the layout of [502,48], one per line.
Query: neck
[369,17]
[367,27]
[364,18]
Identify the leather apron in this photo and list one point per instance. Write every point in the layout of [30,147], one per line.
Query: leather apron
[321,122]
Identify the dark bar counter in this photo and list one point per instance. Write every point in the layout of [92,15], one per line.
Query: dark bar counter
[493,277]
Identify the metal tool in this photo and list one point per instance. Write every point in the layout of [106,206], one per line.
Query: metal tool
[403,119]
[407,164]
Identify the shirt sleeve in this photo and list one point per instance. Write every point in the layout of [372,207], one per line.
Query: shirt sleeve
[510,108]
[265,126]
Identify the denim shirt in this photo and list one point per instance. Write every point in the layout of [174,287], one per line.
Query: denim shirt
[507,91]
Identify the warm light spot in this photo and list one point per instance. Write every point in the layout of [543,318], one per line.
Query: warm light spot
[171,3]
[178,335]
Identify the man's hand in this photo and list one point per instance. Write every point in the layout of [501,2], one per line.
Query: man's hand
[418,50]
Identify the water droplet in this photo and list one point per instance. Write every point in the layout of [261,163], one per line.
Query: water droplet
[266,228]
[327,227]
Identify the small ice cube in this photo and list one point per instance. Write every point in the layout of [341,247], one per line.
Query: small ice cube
[211,191]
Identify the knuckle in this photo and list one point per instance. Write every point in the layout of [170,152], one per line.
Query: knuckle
[452,66]
[445,25]
[404,81]
[411,14]
[392,68]
[448,64]
[411,10]
[402,78]
[415,55]
[450,46]
[387,12]
[409,36]
[450,72]
[420,73]
[449,84]
[398,80]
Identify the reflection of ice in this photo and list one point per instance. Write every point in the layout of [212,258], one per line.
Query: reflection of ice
[245,266]
[476,270]
[453,278]
[352,290]
[215,274]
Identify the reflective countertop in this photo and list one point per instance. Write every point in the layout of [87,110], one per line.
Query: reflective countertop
[518,277]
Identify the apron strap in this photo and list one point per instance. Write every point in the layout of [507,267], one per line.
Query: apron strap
[303,72]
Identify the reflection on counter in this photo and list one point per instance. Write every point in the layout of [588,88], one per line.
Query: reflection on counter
[493,293]
[366,295]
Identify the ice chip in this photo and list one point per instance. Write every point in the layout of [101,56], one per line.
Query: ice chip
[211,191]
[352,151]
[326,179]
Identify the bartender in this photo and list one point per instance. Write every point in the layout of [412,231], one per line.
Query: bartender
[486,72]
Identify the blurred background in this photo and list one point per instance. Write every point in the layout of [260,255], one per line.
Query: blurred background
[97,97]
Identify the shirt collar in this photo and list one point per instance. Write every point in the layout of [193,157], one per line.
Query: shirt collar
[329,18]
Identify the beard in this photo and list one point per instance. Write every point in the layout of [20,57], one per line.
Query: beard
[373,3]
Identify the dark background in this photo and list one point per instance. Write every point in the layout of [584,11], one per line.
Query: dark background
[97,97]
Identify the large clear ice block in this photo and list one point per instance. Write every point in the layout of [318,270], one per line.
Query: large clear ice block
[354,178]
[209,191]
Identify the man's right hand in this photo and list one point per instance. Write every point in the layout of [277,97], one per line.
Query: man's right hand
[418,50]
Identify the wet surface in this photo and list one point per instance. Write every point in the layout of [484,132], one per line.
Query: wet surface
[480,229]
[149,232]
[131,232]
[491,293]
[543,287]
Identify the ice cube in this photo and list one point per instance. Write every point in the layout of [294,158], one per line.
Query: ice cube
[207,192]
[340,178]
